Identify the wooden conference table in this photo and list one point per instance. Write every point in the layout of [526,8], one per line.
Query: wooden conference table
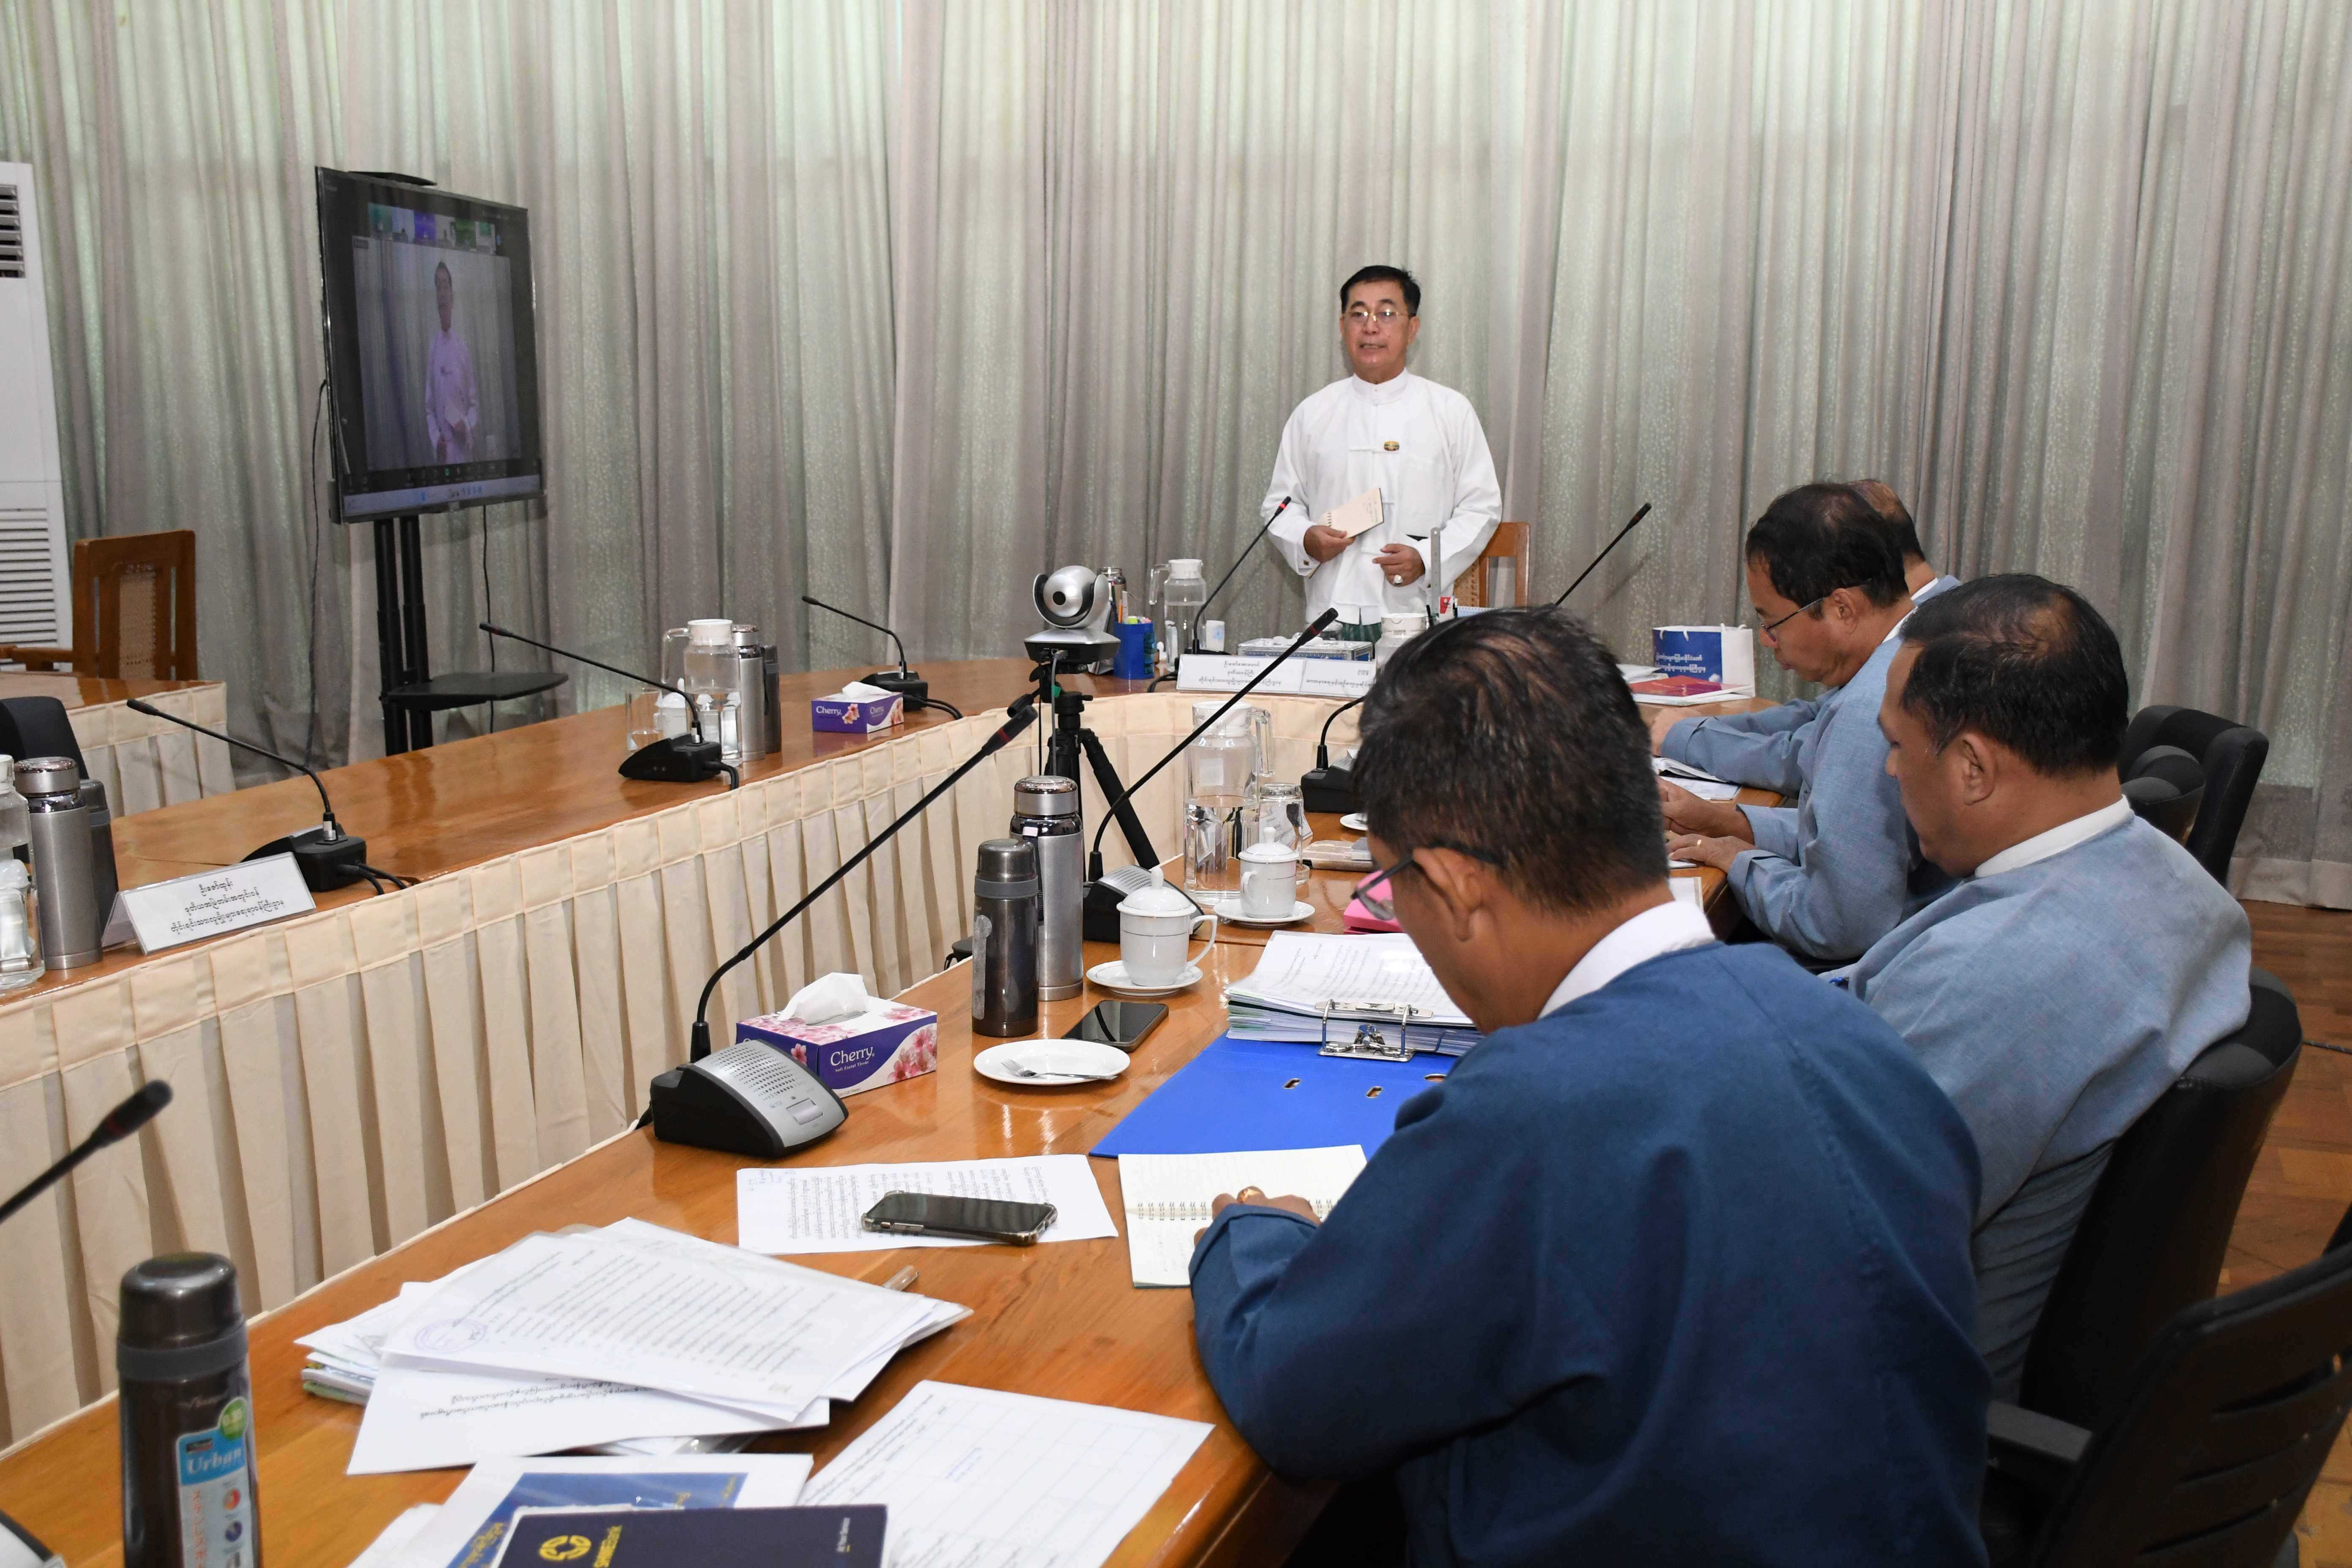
[1060,1320]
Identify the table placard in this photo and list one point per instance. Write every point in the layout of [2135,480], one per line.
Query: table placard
[1299,677]
[211,903]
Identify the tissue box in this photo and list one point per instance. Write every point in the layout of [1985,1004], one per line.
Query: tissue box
[855,715]
[850,1056]
[1724,655]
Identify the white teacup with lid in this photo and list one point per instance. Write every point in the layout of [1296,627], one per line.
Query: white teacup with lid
[1155,933]
[1269,881]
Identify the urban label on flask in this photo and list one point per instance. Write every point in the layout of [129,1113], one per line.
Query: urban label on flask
[216,1522]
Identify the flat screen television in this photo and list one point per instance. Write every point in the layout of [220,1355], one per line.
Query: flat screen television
[431,350]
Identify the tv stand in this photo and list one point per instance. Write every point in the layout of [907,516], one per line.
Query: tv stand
[412,692]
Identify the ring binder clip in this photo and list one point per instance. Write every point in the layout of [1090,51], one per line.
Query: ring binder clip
[1368,1042]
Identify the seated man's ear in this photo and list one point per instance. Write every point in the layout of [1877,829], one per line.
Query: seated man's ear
[1462,887]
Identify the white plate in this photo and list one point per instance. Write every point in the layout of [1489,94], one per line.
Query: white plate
[1356,822]
[1230,911]
[1049,1056]
[1112,976]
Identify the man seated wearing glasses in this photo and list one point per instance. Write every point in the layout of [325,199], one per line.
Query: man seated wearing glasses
[1673,1267]
[2084,959]
[1766,748]
[1832,873]
[1384,428]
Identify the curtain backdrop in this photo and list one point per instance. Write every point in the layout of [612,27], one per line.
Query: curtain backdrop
[901,304]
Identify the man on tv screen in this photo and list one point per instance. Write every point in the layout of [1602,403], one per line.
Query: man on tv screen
[452,405]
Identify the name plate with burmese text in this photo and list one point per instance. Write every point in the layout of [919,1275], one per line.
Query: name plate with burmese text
[210,903]
[1299,677]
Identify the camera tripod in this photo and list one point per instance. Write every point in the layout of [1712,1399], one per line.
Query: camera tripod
[1070,737]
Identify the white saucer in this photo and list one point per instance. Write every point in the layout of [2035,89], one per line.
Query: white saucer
[1049,1056]
[1230,911]
[1356,822]
[1112,976]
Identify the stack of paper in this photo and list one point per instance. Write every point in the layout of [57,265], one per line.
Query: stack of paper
[633,1333]
[1698,780]
[1303,973]
[1167,1197]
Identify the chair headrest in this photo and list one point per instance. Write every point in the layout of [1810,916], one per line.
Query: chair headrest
[2170,767]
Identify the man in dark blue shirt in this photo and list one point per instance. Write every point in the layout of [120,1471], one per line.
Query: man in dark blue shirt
[1674,1268]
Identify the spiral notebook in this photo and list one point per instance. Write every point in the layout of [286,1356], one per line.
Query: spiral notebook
[1167,1197]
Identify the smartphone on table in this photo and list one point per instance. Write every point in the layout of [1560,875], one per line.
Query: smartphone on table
[1120,1023]
[983,1219]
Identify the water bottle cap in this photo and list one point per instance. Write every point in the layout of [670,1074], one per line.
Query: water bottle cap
[710,633]
[178,1300]
[49,775]
[1046,795]
[1183,568]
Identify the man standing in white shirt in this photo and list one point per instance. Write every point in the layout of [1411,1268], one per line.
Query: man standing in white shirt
[452,405]
[1384,428]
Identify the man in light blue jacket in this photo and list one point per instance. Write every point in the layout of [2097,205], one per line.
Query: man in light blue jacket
[1832,873]
[1766,748]
[2084,959]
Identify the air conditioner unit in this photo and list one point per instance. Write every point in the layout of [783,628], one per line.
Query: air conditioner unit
[35,602]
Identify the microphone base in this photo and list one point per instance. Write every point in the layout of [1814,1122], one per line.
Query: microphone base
[1329,789]
[673,760]
[1099,921]
[325,865]
[909,686]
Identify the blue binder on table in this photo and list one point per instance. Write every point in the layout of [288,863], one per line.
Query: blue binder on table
[1247,1095]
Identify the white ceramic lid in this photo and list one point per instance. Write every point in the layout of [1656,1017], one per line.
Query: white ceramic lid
[1263,852]
[1159,899]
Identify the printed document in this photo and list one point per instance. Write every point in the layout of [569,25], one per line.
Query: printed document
[1358,516]
[1167,1198]
[818,1209]
[589,1305]
[972,1475]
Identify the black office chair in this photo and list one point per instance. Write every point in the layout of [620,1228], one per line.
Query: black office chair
[2166,786]
[2217,1435]
[2153,1235]
[2231,756]
[37,727]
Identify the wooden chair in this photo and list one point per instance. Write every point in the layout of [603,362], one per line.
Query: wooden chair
[1510,542]
[134,610]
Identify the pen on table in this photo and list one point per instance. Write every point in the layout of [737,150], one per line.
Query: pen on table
[902,1280]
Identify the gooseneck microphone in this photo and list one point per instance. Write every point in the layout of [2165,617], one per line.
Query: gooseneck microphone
[117,1124]
[1018,715]
[1104,894]
[1325,787]
[1201,613]
[673,758]
[327,857]
[1605,549]
[904,682]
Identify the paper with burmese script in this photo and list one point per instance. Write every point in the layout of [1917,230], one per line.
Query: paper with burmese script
[978,1476]
[1358,516]
[819,1208]
[590,1306]
[1167,1197]
[470,1526]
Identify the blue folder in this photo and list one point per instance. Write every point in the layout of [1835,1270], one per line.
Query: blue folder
[1244,1095]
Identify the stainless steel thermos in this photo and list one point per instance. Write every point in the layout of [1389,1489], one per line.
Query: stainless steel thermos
[1004,921]
[1046,812]
[188,1449]
[760,729]
[58,829]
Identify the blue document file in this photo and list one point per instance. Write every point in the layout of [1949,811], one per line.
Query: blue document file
[1244,1095]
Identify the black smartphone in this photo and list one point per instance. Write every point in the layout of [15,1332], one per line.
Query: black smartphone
[934,1214]
[1121,1023]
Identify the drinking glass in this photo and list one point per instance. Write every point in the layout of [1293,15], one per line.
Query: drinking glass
[1281,818]
[644,716]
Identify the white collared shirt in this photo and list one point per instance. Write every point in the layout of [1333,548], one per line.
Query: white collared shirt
[2058,840]
[1420,446]
[1666,928]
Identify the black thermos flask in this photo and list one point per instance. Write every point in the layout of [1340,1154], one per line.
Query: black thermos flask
[1006,915]
[188,1449]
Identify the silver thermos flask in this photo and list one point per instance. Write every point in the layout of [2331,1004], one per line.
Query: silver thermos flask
[188,1449]
[1004,938]
[104,883]
[64,870]
[757,728]
[1046,812]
